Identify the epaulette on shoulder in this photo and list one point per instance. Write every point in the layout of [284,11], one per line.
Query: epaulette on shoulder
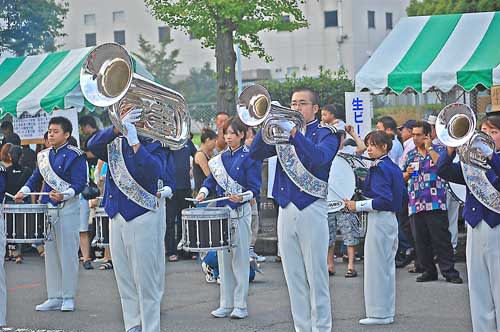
[75,149]
[332,128]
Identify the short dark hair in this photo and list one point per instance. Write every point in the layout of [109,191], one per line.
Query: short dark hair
[65,124]
[207,133]
[314,94]
[15,154]
[221,113]
[7,125]
[425,126]
[335,111]
[379,138]
[72,141]
[493,120]
[237,126]
[46,135]
[388,122]
[87,120]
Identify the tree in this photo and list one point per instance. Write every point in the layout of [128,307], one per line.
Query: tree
[330,86]
[435,7]
[30,27]
[157,61]
[219,24]
[200,86]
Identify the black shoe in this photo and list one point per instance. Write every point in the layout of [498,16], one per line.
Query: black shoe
[455,280]
[426,276]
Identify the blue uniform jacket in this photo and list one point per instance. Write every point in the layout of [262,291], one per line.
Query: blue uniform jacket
[3,182]
[385,185]
[474,211]
[316,149]
[146,166]
[241,168]
[69,163]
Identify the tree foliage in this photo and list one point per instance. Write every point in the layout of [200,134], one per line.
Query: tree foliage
[219,24]
[30,27]
[331,87]
[200,86]
[436,7]
[158,62]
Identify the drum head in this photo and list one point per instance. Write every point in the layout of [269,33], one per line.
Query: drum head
[206,213]
[341,182]
[458,190]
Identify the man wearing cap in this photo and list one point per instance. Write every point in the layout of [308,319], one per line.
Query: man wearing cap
[452,204]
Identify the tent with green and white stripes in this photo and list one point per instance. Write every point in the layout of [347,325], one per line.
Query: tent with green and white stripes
[44,82]
[428,53]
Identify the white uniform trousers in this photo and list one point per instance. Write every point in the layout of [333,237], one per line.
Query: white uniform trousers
[234,265]
[381,244]
[3,286]
[61,253]
[139,263]
[303,245]
[483,271]
[453,209]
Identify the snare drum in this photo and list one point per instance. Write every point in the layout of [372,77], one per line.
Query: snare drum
[346,176]
[101,221]
[205,229]
[25,223]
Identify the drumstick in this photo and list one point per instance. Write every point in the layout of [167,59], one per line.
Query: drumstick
[9,195]
[210,200]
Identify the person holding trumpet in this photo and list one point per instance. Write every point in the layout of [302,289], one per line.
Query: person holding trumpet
[483,229]
[236,175]
[63,169]
[133,199]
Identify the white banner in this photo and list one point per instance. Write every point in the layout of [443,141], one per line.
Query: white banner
[34,126]
[358,111]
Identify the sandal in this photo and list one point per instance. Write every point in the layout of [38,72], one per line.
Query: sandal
[87,265]
[351,273]
[19,259]
[331,273]
[173,258]
[106,266]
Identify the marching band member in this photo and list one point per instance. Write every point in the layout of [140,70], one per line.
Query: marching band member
[300,189]
[386,192]
[483,234]
[234,174]
[3,286]
[136,168]
[63,169]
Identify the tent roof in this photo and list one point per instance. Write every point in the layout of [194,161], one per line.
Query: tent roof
[46,81]
[439,52]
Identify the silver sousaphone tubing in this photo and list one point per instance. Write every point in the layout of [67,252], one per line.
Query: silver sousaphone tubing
[107,79]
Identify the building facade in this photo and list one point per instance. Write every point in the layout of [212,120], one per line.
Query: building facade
[341,33]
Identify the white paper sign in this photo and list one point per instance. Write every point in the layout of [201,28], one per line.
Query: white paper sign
[29,126]
[358,112]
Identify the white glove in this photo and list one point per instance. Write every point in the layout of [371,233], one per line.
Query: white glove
[485,149]
[128,122]
[67,194]
[165,192]
[287,126]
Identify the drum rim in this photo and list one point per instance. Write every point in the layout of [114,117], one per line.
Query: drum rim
[6,208]
[206,213]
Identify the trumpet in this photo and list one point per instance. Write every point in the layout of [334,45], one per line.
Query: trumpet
[107,80]
[255,108]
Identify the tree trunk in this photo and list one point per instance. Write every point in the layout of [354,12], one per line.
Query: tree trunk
[226,61]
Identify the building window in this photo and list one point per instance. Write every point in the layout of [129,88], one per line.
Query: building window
[331,19]
[120,37]
[163,34]
[90,39]
[388,21]
[119,16]
[285,18]
[371,19]
[89,19]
